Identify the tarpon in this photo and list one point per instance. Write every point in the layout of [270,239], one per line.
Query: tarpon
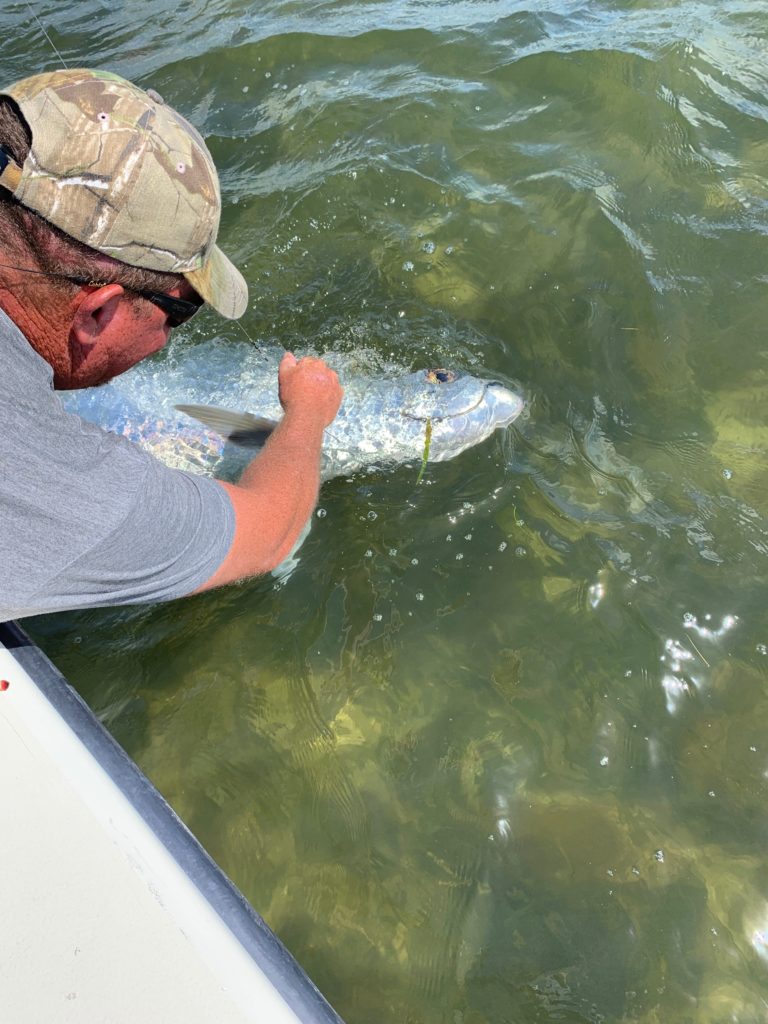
[386,417]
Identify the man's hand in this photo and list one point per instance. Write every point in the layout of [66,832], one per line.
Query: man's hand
[276,494]
[309,383]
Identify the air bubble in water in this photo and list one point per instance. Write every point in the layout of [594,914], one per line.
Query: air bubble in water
[321,513]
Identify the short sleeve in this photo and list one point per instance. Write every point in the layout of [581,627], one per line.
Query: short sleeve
[173,533]
[87,517]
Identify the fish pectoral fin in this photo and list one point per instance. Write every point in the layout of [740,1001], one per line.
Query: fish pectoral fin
[242,428]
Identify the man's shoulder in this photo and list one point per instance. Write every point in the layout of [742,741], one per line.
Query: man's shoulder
[47,447]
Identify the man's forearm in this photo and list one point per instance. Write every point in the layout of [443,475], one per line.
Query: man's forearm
[286,476]
[277,492]
[273,498]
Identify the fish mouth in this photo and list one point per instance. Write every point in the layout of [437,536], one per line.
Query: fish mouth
[507,404]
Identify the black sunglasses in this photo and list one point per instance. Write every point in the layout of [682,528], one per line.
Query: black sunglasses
[178,311]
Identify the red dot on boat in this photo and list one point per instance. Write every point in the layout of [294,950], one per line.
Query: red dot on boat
[4,684]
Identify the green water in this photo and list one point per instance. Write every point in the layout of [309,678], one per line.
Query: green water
[497,750]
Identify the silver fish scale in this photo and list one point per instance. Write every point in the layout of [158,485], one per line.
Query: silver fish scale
[382,420]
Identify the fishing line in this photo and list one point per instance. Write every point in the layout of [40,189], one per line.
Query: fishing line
[45,33]
[239,324]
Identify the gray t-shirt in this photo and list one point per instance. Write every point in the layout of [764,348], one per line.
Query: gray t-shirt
[86,517]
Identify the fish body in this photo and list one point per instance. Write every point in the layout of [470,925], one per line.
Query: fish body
[383,419]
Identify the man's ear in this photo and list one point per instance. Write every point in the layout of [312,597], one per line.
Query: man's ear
[94,311]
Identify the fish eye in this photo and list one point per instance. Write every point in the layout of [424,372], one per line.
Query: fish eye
[440,376]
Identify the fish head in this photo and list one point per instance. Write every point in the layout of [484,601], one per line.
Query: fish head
[462,410]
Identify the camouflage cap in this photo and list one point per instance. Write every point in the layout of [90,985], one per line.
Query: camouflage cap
[117,169]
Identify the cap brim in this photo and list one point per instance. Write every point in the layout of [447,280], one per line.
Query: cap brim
[221,284]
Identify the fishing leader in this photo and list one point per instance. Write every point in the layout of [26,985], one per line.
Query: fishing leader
[109,212]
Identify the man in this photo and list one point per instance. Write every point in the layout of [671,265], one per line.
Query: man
[109,210]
